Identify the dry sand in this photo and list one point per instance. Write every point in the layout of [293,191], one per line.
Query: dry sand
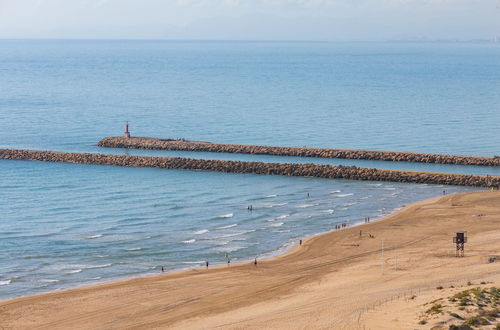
[337,280]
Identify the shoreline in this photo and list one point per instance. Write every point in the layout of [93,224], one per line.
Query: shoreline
[281,250]
[336,273]
[267,256]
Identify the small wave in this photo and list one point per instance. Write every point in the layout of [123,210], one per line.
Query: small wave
[271,196]
[98,266]
[47,280]
[306,206]
[278,224]
[390,188]
[281,231]
[200,232]
[345,195]
[330,211]
[279,204]
[282,216]
[193,262]
[237,234]
[189,241]
[74,271]
[229,215]
[334,192]
[93,236]
[228,226]
[6,282]
[95,278]
[134,249]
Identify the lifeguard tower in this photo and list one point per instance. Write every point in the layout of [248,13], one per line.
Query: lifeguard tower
[460,239]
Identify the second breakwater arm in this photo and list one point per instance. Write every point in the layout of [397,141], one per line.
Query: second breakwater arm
[287,169]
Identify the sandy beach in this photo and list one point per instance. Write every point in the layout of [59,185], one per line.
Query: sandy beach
[357,278]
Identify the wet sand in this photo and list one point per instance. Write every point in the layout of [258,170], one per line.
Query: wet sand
[335,280]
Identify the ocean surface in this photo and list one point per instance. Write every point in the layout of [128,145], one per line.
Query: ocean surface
[67,225]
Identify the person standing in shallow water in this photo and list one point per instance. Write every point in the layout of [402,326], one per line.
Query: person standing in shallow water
[206,263]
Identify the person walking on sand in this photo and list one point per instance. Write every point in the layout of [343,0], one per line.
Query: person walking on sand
[206,263]
[255,261]
[360,233]
[300,242]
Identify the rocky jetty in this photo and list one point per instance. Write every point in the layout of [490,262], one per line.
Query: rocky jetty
[310,170]
[394,156]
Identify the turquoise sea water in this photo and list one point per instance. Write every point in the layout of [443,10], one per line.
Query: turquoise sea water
[66,225]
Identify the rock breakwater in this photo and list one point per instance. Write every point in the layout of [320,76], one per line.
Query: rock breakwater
[394,156]
[309,170]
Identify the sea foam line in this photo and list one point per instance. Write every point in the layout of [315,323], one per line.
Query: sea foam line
[228,226]
[200,232]
[229,215]
[93,236]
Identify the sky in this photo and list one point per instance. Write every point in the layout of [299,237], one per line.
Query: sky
[321,20]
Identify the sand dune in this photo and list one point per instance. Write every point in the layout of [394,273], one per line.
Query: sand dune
[337,280]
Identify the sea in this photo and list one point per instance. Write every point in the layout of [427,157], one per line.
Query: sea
[68,225]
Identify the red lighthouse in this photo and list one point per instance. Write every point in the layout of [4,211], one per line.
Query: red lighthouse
[127,133]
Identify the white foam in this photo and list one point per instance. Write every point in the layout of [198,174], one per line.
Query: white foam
[47,280]
[6,282]
[98,266]
[330,211]
[279,204]
[306,206]
[237,234]
[228,226]
[94,236]
[271,196]
[134,249]
[345,195]
[189,241]
[278,224]
[334,192]
[74,271]
[229,215]
[200,232]
[193,262]
[282,216]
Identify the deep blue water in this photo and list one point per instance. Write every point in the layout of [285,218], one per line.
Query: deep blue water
[66,225]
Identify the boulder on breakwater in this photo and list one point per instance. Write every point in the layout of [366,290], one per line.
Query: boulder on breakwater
[394,156]
[311,170]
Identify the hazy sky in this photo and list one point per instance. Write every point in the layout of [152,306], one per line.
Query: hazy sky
[251,19]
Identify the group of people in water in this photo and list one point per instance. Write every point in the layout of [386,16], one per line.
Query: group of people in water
[342,225]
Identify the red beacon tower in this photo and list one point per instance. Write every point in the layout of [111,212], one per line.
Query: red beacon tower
[127,133]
